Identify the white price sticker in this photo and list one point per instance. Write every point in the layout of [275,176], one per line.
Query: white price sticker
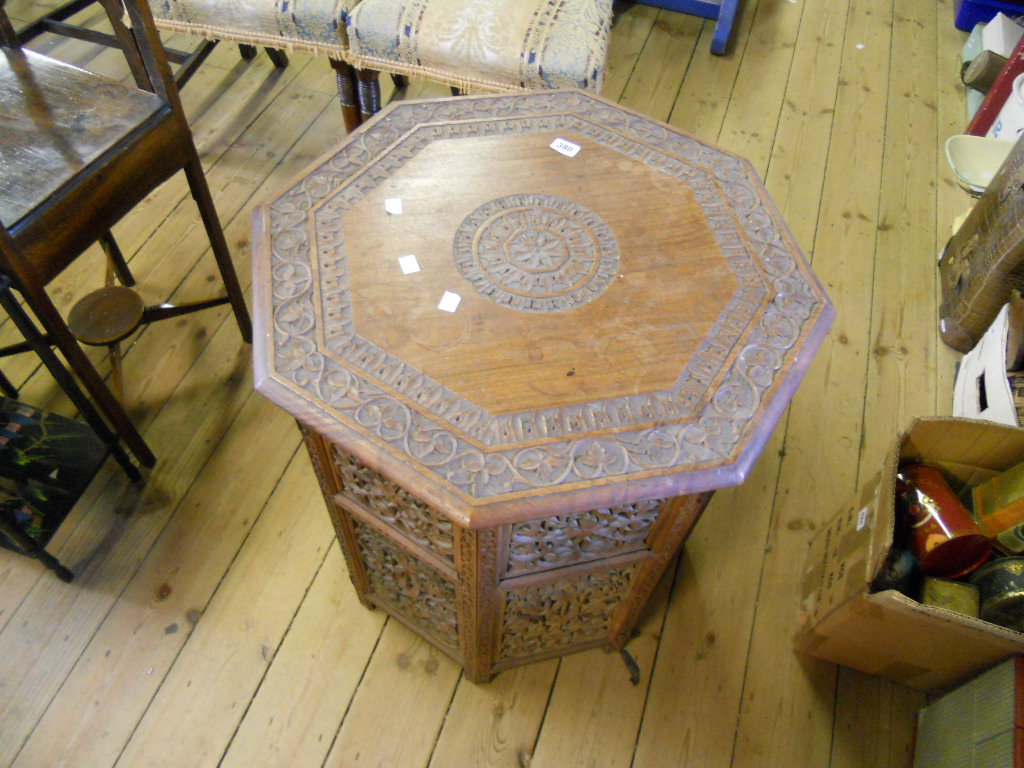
[567,148]
[449,302]
[393,205]
[408,264]
[862,519]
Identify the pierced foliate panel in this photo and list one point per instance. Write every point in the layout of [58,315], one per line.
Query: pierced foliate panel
[397,507]
[553,542]
[562,613]
[413,589]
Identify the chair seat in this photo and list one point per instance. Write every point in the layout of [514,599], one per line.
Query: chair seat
[490,45]
[55,120]
[58,126]
[315,26]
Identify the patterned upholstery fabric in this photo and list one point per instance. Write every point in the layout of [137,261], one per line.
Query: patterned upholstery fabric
[492,45]
[316,26]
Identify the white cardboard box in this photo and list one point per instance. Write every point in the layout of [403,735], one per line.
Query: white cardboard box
[982,390]
[1001,35]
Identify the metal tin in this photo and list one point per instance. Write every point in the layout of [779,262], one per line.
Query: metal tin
[1001,588]
[896,572]
[999,508]
[943,536]
[954,596]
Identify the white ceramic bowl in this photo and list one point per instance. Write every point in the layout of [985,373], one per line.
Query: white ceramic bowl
[975,159]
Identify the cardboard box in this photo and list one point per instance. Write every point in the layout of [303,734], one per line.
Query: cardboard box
[982,390]
[1001,35]
[979,725]
[887,633]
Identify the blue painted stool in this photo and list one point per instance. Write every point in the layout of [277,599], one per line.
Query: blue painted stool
[723,13]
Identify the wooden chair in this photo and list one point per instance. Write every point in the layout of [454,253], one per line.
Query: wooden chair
[77,153]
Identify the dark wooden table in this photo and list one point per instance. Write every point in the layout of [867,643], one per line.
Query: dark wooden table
[511,478]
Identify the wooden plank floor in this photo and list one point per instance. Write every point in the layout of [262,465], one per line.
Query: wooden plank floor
[212,622]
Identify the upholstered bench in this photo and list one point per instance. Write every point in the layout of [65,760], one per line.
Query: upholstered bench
[486,45]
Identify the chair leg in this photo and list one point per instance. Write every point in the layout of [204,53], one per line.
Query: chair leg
[278,57]
[247,52]
[7,387]
[115,259]
[116,370]
[369,93]
[201,194]
[346,78]
[400,81]
[32,549]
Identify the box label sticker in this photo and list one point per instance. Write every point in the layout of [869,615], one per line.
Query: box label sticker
[408,264]
[449,302]
[567,148]
[393,205]
[862,519]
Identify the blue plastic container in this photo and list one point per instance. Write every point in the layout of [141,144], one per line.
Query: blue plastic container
[970,12]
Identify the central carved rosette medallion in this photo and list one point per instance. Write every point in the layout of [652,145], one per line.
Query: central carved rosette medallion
[536,253]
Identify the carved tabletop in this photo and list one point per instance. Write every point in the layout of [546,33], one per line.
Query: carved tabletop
[631,321]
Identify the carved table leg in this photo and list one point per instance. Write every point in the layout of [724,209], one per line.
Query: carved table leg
[479,604]
[666,543]
[330,485]
[347,93]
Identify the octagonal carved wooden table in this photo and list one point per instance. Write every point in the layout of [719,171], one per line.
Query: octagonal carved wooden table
[520,370]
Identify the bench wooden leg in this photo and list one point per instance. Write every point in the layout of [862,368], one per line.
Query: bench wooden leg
[346,77]
[369,92]
[278,57]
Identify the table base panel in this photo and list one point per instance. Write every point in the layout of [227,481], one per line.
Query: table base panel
[498,597]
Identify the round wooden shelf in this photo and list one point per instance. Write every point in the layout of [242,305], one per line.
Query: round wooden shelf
[106,316]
